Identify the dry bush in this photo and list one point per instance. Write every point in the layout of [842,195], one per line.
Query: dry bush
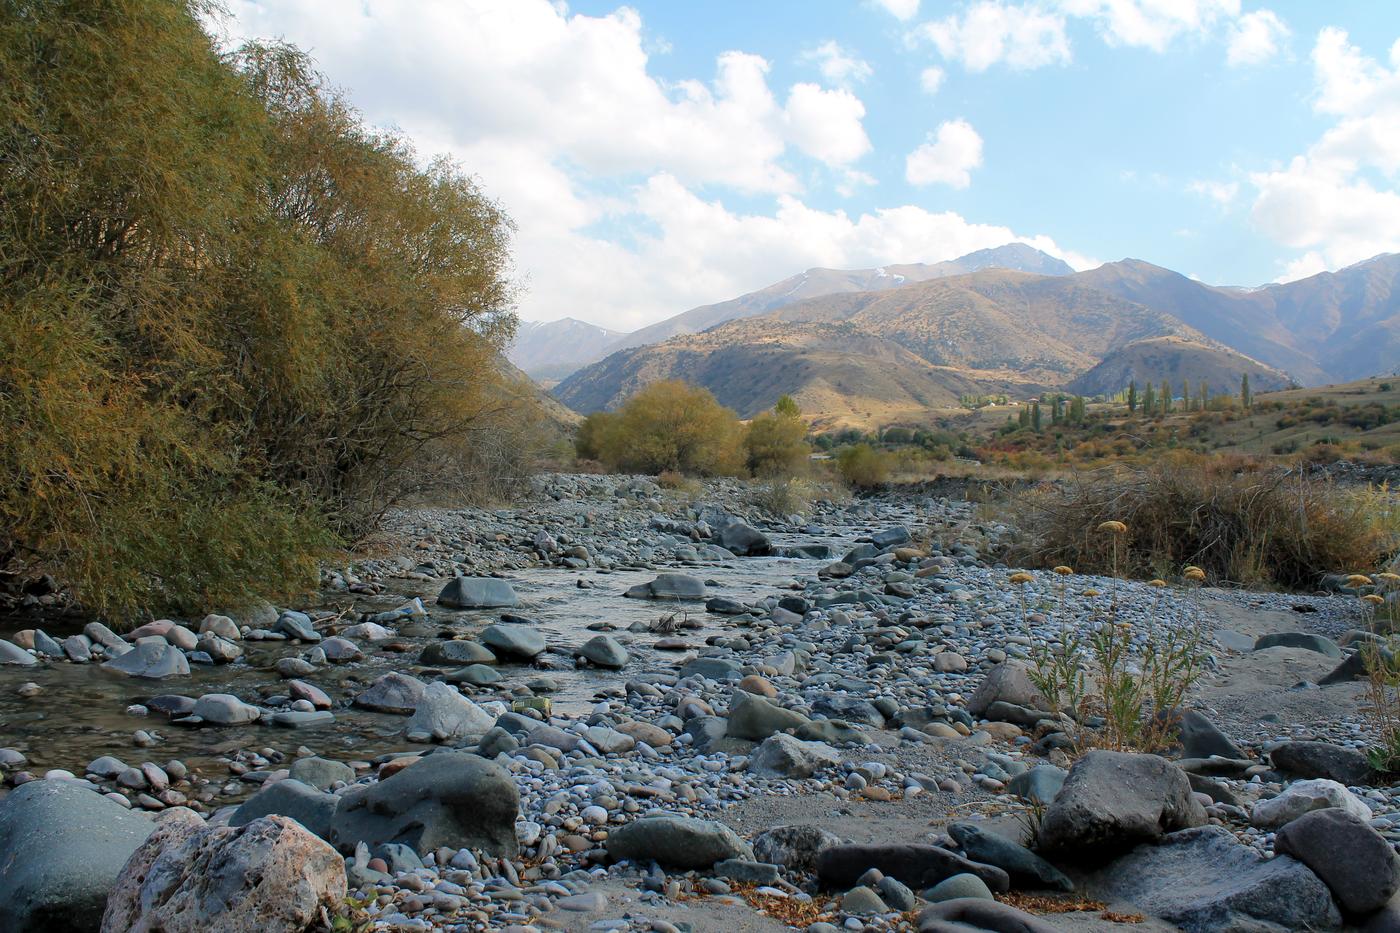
[864,467]
[667,426]
[1242,525]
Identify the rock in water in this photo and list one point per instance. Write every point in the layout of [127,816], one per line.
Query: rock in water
[270,875]
[513,641]
[670,586]
[744,541]
[444,715]
[478,593]
[604,651]
[1204,880]
[150,661]
[64,847]
[321,773]
[677,842]
[1115,800]
[446,799]
[392,693]
[1353,859]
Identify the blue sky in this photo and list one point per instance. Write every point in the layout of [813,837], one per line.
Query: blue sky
[661,155]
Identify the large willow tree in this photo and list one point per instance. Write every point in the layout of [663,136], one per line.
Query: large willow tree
[235,323]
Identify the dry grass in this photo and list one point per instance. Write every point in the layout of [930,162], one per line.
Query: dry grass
[1237,522]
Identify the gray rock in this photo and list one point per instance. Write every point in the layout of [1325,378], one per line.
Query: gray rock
[754,718]
[321,773]
[224,709]
[513,641]
[1322,760]
[1040,784]
[862,900]
[270,875]
[782,756]
[848,709]
[220,649]
[474,675]
[794,847]
[1201,739]
[1115,800]
[897,536]
[65,847]
[736,869]
[46,645]
[710,668]
[1356,862]
[1304,797]
[919,866]
[744,541]
[150,661]
[604,651]
[222,626]
[1304,640]
[444,715]
[669,586]
[392,693]
[478,593]
[1008,682]
[297,625]
[1204,880]
[967,914]
[341,650]
[677,841]
[454,654]
[446,799]
[293,799]
[1025,868]
[298,719]
[833,732]
[78,649]
[950,889]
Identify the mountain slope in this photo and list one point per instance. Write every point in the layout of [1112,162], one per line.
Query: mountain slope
[553,349]
[817,282]
[836,373]
[1176,360]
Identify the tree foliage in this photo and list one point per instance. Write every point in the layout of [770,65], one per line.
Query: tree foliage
[666,426]
[234,322]
[775,443]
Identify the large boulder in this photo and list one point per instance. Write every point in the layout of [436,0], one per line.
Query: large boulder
[444,715]
[270,875]
[150,660]
[455,654]
[321,773]
[1304,797]
[794,847]
[754,718]
[782,756]
[604,651]
[744,541]
[445,799]
[1200,738]
[918,866]
[392,693]
[478,593]
[63,847]
[1008,682]
[970,914]
[677,841]
[1305,640]
[1324,760]
[291,798]
[1204,880]
[1356,862]
[1114,800]
[669,586]
[224,709]
[1026,869]
[513,641]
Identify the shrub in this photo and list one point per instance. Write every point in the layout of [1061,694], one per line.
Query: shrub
[1221,514]
[862,466]
[667,426]
[234,322]
[775,442]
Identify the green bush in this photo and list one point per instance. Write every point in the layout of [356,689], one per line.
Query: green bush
[862,466]
[234,323]
[775,443]
[667,426]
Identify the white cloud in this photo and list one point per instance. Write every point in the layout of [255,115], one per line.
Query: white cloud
[826,124]
[1255,38]
[948,157]
[931,79]
[1152,24]
[1221,192]
[901,10]
[838,66]
[1337,202]
[991,32]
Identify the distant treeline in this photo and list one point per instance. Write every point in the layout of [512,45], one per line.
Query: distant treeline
[235,323]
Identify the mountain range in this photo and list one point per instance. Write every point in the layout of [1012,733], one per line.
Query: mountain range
[857,345]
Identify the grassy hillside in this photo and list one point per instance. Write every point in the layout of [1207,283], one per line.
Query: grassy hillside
[1177,361]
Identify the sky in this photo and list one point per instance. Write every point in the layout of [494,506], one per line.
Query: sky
[665,154]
